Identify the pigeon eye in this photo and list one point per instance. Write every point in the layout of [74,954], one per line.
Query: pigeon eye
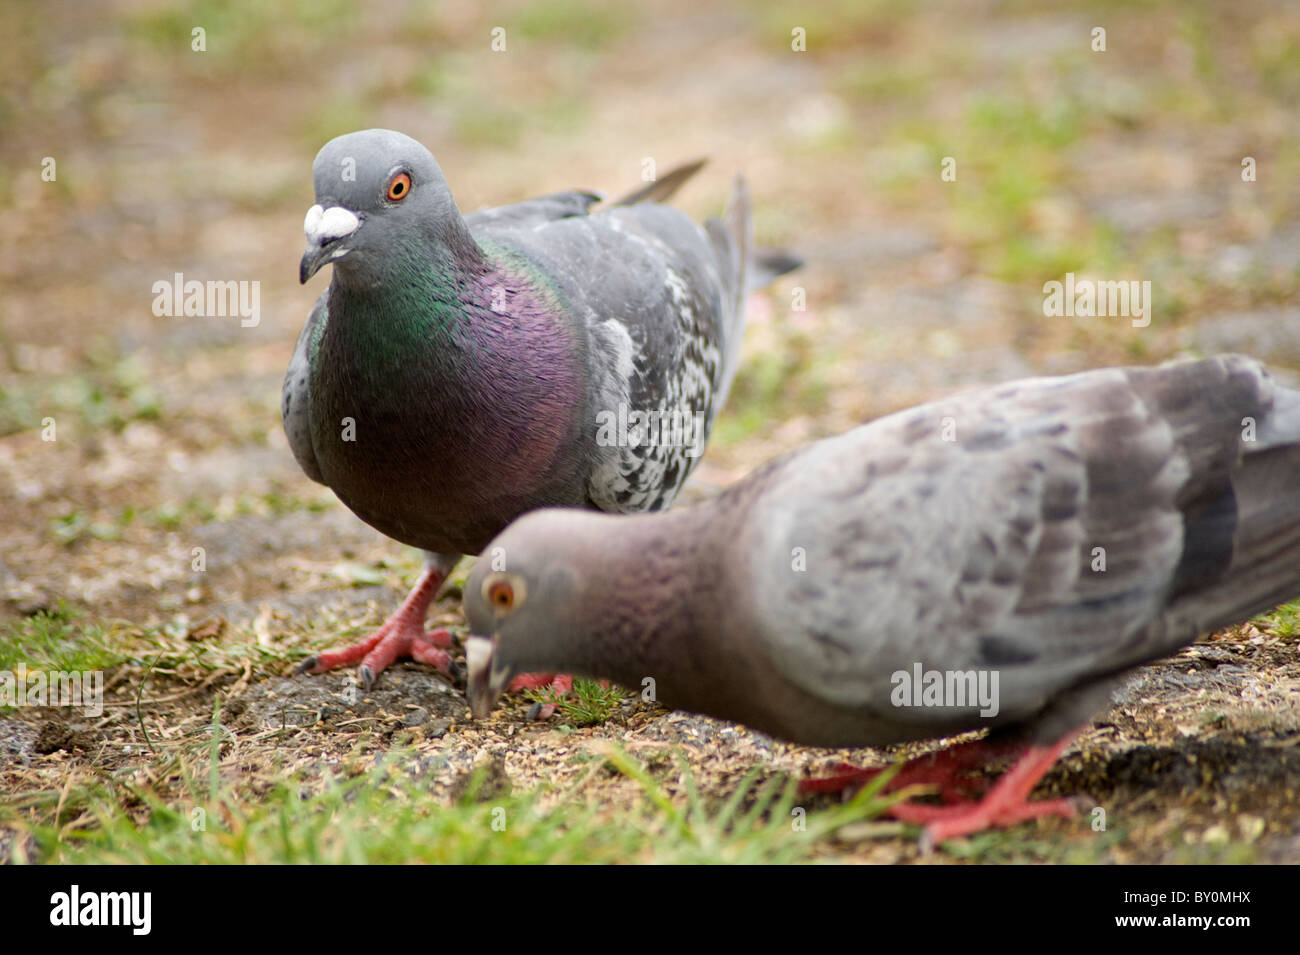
[399,186]
[501,595]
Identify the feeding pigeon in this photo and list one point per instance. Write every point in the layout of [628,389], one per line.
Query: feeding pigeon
[1053,533]
[461,370]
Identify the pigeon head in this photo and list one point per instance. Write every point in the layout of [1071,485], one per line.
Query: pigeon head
[526,600]
[378,193]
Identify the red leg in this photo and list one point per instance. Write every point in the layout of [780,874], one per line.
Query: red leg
[943,768]
[401,635]
[1006,804]
[531,681]
[560,683]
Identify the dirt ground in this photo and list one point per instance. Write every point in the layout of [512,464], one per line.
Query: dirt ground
[1125,163]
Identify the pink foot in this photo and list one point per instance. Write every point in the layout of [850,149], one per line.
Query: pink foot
[535,681]
[944,769]
[559,683]
[1006,803]
[401,635]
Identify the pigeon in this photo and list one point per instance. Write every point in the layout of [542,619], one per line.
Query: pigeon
[996,560]
[462,370]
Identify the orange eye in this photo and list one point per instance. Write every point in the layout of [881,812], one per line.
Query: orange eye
[399,186]
[501,595]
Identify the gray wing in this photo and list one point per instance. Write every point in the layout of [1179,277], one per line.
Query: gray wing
[1071,528]
[295,397]
[577,202]
[533,212]
[659,301]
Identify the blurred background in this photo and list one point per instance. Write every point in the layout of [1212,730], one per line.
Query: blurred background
[1122,164]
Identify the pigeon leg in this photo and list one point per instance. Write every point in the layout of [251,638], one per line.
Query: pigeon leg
[1007,802]
[560,683]
[401,635]
[532,681]
[943,769]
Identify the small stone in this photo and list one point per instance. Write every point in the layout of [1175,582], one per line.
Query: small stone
[1217,833]
[1252,827]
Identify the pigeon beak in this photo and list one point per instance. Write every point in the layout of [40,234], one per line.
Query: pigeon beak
[324,228]
[487,681]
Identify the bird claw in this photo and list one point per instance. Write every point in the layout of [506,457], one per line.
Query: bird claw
[396,637]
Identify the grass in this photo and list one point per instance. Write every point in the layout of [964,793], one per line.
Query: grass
[1277,64]
[77,525]
[833,24]
[204,795]
[1001,846]
[588,704]
[237,34]
[572,22]
[1011,162]
[768,386]
[1282,622]
[183,808]
[103,397]
[489,125]
[56,640]
[176,652]
[340,113]
[72,527]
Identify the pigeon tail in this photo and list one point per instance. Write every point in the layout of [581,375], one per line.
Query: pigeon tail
[732,237]
[1241,542]
[767,264]
[1266,545]
[750,268]
[665,187]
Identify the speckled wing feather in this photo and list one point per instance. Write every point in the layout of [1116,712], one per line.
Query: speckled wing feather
[660,301]
[1058,530]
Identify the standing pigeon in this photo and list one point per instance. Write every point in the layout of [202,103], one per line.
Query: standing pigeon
[461,370]
[1037,539]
